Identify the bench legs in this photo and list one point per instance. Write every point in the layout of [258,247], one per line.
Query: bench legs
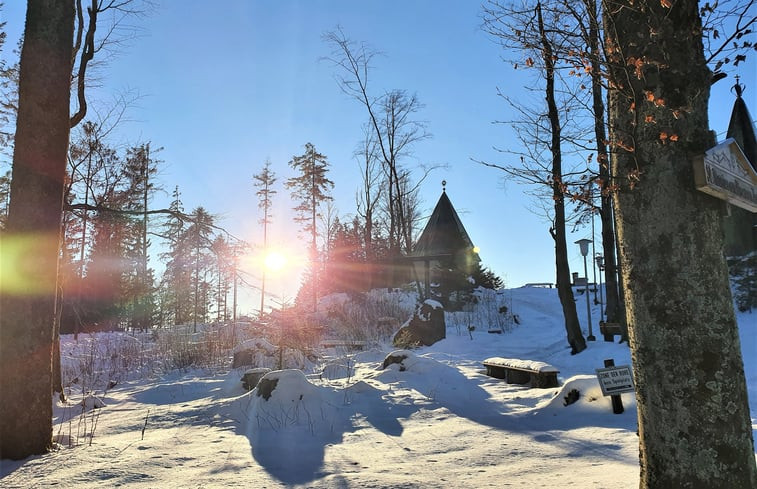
[534,379]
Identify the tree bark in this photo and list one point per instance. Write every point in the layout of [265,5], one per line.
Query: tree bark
[32,240]
[694,422]
[564,288]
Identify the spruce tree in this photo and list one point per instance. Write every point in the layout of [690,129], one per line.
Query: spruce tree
[310,189]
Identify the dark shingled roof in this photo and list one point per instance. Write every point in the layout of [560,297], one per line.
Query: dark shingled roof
[741,128]
[444,233]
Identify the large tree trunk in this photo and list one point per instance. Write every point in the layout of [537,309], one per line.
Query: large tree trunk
[694,423]
[31,243]
[564,288]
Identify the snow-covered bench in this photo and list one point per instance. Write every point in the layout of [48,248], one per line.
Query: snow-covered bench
[515,371]
[346,344]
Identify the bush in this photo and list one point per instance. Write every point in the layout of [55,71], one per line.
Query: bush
[372,317]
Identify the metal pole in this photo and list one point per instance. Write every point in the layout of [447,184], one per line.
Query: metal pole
[601,292]
[593,240]
[588,306]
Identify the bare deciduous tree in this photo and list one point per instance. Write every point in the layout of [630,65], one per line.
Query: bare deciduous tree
[391,118]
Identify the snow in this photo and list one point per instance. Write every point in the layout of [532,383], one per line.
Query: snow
[521,364]
[434,304]
[431,420]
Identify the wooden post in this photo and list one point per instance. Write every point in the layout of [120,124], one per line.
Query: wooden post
[617,402]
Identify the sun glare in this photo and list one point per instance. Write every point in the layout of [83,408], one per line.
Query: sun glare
[275,261]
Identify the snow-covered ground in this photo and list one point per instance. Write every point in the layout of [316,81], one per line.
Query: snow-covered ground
[434,421]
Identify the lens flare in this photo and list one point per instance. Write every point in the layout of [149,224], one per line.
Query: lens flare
[275,261]
[28,264]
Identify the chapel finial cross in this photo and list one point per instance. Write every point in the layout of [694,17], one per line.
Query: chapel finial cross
[738,88]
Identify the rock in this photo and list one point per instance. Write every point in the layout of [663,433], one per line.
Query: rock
[252,376]
[397,357]
[425,328]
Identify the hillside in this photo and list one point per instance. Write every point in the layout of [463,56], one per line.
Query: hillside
[435,421]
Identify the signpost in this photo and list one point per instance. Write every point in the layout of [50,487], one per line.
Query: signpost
[614,381]
[725,173]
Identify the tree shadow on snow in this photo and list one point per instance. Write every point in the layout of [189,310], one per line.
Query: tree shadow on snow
[294,453]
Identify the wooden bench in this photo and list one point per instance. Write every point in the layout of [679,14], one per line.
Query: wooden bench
[539,284]
[514,371]
[610,329]
[347,345]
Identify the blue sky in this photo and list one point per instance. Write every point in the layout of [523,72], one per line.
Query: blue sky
[225,85]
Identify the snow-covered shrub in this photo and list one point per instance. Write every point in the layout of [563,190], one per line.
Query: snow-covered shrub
[98,360]
[371,317]
[492,311]
[259,352]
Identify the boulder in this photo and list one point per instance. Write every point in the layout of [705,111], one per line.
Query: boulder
[425,328]
[252,376]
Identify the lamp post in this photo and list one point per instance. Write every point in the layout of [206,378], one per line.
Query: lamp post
[601,265]
[584,246]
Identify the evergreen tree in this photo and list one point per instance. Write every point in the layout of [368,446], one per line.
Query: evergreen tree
[344,269]
[176,284]
[264,181]
[223,254]
[198,239]
[138,169]
[310,189]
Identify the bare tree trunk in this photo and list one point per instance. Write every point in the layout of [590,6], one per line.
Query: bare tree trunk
[694,423]
[564,289]
[612,308]
[33,232]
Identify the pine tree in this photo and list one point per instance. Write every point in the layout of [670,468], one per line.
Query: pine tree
[310,189]
[264,181]
[198,237]
[139,167]
[176,287]
[223,254]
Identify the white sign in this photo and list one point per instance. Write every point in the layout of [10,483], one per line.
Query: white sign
[615,380]
[725,173]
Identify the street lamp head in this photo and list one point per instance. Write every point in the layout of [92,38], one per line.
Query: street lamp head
[584,244]
[600,261]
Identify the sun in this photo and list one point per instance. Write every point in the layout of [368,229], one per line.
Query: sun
[275,261]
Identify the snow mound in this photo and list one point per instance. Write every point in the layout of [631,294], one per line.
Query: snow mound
[336,370]
[590,401]
[405,360]
[285,403]
[91,402]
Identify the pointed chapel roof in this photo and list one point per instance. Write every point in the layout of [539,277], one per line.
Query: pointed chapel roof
[741,128]
[444,233]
